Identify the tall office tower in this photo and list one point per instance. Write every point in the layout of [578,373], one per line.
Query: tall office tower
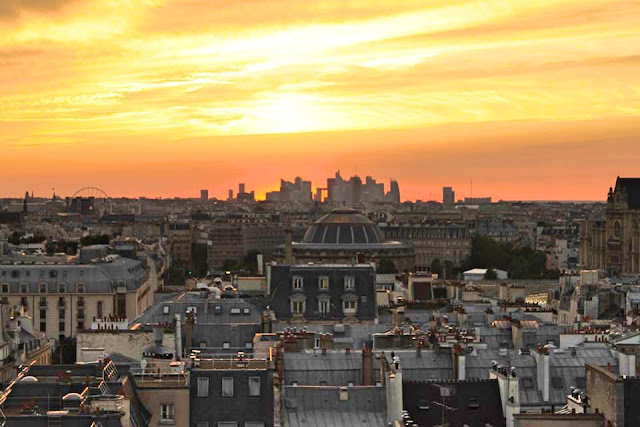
[230,197]
[204,195]
[241,188]
[394,192]
[448,196]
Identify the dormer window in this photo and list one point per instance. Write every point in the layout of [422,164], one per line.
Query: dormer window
[43,288]
[349,283]
[5,288]
[62,288]
[297,282]
[323,283]
[298,304]
[80,287]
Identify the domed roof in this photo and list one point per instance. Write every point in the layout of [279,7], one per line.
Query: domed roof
[344,226]
[72,397]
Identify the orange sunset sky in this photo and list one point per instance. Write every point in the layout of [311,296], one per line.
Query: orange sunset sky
[530,99]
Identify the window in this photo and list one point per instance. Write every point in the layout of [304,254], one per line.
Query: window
[53,273]
[323,282]
[324,306]
[581,383]
[99,309]
[24,288]
[297,307]
[474,403]
[297,282]
[43,288]
[5,288]
[349,283]
[43,314]
[43,325]
[61,302]
[192,309]
[80,287]
[62,288]
[349,305]
[253,424]
[226,344]
[166,412]
[246,310]
[527,383]
[234,310]
[165,309]
[81,302]
[248,345]
[227,424]
[227,387]
[202,424]
[80,325]
[203,387]
[254,386]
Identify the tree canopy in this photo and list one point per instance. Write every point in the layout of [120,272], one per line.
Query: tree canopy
[521,263]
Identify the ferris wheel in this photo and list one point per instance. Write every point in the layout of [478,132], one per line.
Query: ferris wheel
[99,199]
[91,192]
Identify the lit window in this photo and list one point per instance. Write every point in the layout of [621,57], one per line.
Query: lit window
[166,412]
[227,387]
[323,282]
[297,282]
[254,386]
[203,387]
[226,344]
[165,309]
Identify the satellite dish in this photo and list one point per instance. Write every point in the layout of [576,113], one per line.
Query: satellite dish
[143,364]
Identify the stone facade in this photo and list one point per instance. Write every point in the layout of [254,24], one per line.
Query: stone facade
[613,245]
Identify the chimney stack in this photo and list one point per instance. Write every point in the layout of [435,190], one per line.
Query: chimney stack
[367,366]
[288,236]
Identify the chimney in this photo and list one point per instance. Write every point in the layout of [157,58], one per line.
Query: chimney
[188,330]
[542,366]
[288,241]
[367,366]
[459,363]
[158,335]
[344,394]
[260,264]
[178,338]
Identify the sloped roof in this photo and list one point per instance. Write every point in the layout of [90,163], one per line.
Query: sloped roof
[322,407]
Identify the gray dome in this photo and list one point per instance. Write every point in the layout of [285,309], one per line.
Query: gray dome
[344,227]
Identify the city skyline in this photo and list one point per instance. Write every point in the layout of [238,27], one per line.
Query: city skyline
[526,99]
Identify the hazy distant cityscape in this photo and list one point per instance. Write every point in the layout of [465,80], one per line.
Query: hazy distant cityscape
[341,293]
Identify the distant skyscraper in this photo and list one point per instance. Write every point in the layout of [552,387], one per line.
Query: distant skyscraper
[355,191]
[448,196]
[241,188]
[204,195]
[393,195]
[230,195]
